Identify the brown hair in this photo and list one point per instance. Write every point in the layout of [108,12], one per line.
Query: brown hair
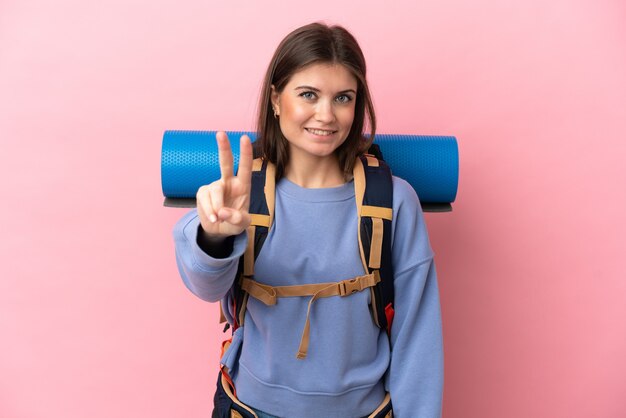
[311,44]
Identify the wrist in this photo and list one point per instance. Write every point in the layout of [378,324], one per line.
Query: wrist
[217,246]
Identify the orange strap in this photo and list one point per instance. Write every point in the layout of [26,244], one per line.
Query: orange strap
[377,214]
[268,295]
[359,192]
[257,220]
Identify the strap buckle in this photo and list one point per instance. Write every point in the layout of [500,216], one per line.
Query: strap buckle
[350,286]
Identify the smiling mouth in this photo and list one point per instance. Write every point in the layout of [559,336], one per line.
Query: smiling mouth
[320,132]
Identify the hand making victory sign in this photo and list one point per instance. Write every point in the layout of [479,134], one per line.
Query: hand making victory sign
[223,205]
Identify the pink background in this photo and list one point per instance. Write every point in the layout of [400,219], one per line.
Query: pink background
[94,319]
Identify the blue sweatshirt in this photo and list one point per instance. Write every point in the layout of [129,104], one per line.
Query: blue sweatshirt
[351,363]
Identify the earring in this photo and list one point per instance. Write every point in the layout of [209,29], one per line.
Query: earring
[275,113]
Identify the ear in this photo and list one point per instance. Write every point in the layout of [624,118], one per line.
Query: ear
[275,98]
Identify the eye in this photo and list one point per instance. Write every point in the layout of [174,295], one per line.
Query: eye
[308,95]
[343,98]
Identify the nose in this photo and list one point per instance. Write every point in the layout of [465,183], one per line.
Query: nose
[324,112]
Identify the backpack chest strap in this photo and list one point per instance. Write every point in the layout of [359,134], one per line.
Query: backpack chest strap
[269,294]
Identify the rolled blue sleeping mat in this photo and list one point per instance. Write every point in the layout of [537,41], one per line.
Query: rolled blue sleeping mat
[189,159]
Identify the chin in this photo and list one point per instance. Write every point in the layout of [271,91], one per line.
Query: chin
[319,151]
[324,151]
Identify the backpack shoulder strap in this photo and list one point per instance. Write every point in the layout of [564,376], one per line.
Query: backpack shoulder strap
[374,200]
[262,202]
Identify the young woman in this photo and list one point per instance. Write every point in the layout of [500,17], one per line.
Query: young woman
[313,111]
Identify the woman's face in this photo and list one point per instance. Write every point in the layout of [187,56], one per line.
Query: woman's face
[316,110]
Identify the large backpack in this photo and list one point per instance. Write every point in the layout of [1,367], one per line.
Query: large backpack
[374,199]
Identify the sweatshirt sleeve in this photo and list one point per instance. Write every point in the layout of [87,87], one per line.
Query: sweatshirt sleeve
[415,375]
[207,277]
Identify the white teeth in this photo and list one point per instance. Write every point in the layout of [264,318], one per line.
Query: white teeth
[319,131]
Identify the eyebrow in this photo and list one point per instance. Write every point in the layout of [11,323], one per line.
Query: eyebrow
[318,90]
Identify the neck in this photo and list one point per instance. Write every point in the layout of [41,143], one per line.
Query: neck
[315,173]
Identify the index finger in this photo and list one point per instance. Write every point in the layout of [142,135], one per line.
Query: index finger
[225,155]
[244,173]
